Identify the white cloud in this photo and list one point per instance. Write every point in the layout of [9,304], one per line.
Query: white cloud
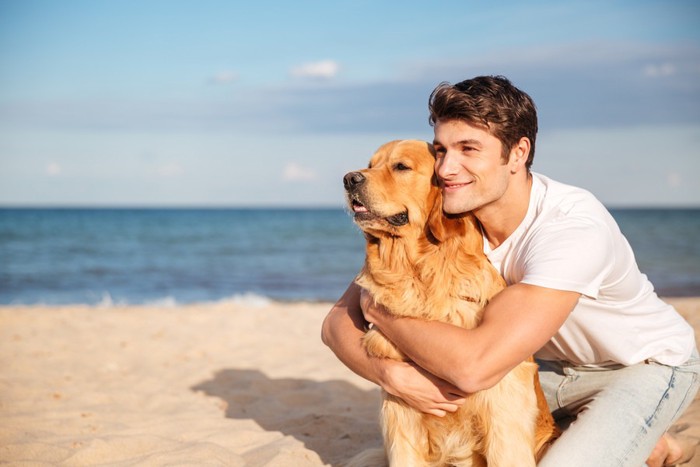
[325,69]
[674,179]
[170,170]
[655,71]
[294,172]
[53,169]
[224,77]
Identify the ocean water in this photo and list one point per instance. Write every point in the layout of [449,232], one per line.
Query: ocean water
[176,256]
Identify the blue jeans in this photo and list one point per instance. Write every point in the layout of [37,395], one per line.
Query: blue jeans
[614,416]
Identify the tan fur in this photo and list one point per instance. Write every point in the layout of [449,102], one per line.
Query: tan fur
[433,268]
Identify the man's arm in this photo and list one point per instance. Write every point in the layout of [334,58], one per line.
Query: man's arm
[517,322]
[342,331]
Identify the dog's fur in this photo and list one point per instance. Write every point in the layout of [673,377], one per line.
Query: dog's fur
[421,263]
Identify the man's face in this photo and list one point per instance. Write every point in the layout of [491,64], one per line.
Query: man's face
[469,166]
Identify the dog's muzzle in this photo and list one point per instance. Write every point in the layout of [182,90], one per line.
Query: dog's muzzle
[353,180]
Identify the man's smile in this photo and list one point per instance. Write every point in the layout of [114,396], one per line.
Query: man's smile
[453,186]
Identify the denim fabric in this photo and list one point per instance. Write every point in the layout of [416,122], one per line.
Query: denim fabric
[614,416]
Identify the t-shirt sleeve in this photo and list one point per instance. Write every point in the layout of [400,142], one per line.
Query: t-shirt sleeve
[569,254]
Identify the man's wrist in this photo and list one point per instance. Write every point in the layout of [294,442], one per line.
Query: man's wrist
[386,372]
[372,311]
[381,370]
[377,315]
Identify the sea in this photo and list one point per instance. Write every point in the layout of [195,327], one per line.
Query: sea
[165,257]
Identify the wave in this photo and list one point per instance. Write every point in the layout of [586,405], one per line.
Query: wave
[246,299]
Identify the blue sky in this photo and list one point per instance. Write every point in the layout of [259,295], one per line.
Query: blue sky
[213,103]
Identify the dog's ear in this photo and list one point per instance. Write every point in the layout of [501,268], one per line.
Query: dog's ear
[440,226]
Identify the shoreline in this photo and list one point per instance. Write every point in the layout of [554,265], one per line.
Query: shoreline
[217,383]
[249,299]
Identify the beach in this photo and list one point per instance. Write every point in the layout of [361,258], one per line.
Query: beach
[227,383]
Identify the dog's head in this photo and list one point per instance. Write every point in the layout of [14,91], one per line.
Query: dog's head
[398,192]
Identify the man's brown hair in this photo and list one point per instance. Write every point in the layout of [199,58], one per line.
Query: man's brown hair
[489,102]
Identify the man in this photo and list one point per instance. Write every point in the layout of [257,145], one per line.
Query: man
[613,356]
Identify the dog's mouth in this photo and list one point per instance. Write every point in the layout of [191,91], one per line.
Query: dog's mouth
[363,214]
[358,207]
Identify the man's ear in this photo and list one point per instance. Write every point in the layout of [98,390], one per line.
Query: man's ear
[519,154]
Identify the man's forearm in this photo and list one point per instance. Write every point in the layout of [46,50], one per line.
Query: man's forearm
[342,331]
[438,350]
[475,359]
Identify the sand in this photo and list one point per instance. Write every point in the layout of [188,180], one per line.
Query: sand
[228,384]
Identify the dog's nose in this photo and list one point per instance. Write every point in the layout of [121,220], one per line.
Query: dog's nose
[353,179]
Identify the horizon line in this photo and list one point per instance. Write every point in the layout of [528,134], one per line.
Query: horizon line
[125,206]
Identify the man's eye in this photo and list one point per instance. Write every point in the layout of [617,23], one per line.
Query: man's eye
[401,166]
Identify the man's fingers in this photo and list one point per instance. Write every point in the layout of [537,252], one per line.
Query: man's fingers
[658,455]
[440,410]
[451,408]
[444,407]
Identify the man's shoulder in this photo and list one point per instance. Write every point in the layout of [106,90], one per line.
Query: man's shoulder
[555,188]
[565,199]
[568,213]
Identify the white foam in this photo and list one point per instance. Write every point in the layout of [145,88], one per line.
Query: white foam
[106,301]
[164,302]
[248,299]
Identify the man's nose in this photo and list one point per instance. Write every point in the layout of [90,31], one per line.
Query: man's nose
[446,166]
[353,179]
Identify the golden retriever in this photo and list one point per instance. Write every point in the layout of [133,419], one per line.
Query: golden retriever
[421,263]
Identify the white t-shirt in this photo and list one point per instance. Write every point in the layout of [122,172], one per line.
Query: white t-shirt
[569,241]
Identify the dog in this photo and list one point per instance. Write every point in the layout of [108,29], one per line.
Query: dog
[424,264]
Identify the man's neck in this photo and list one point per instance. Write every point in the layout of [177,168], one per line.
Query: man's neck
[500,218]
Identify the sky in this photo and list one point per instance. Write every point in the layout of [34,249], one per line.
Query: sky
[269,103]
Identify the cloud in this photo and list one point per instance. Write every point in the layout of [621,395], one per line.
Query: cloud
[294,172]
[591,84]
[53,169]
[674,179]
[224,77]
[576,85]
[655,71]
[325,69]
[170,170]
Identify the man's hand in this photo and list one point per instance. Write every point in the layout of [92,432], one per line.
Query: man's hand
[669,451]
[421,390]
[372,311]
[407,381]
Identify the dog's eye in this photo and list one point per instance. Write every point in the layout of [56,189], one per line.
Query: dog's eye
[401,166]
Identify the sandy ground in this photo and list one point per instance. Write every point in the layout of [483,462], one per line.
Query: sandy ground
[218,384]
